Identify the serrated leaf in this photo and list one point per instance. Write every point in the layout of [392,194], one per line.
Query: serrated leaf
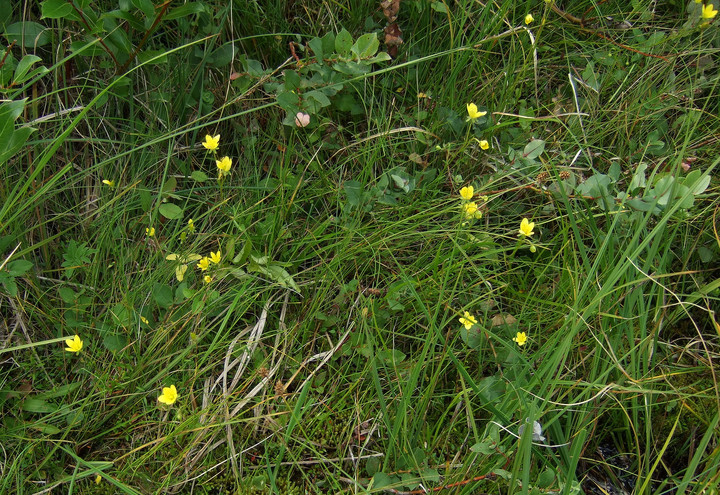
[171,211]
[199,176]
[19,267]
[10,286]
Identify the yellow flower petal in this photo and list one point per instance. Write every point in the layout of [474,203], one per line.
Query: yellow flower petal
[520,338]
[467,192]
[526,227]
[169,395]
[708,11]
[468,320]
[529,19]
[211,142]
[74,345]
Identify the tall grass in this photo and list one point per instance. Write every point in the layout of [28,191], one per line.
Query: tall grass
[355,375]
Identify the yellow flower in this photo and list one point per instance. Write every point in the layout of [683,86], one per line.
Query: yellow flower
[528,19]
[698,1]
[526,227]
[211,142]
[74,345]
[473,113]
[467,192]
[191,226]
[422,95]
[144,320]
[223,166]
[98,479]
[708,11]
[204,263]
[215,257]
[520,338]
[471,210]
[110,183]
[169,395]
[207,279]
[484,144]
[468,320]
[150,232]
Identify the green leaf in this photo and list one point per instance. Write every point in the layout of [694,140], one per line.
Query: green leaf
[58,9]
[60,391]
[10,144]
[9,284]
[152,57]
[67,295]
[171,211]
[343,43]
[24,66]
[29,34]
[146,6]
[289,102]
[292,80]
[45,428]
[222,56]
[243,256]
[696,183]
[114,342]
[186,10]
[316,45]
[19,267]
[199,176]
[35,405]
[318,96]
[381,480]
[163,295]
[366,45]
[534,149]
[546,479]
[354,191]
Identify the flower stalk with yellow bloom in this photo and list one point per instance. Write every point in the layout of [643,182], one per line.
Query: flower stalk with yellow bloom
[468,320]
[169,395]
[526,227]
[211,143]
[74,345]
[520,338]
[224,164]
[467,193]
[473,113]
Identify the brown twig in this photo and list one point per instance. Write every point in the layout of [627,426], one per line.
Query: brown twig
[157,20]
[7,52]
[87,25]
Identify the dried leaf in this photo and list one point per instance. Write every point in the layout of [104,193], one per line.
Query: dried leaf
[390,9]
[506,319]
[393,39]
